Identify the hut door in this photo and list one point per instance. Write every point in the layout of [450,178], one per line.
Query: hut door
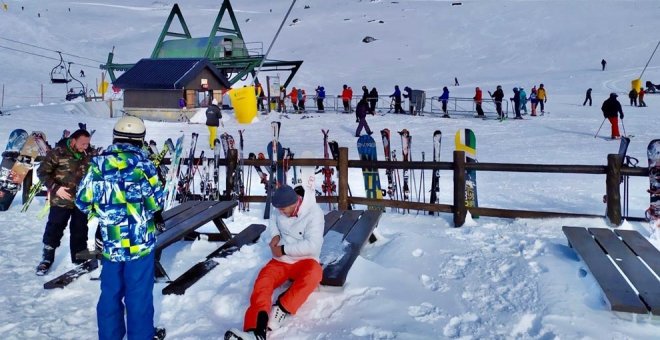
[190,99]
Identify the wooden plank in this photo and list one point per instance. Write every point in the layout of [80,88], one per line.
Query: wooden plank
[335,272]
[638,274]
[195,209]
[346,221]
[330,219]
[618,293]
[167,214]
[642,247]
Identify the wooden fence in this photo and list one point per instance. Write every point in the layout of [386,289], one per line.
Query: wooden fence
[613,171]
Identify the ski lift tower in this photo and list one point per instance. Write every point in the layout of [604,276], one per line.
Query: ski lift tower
[225,47]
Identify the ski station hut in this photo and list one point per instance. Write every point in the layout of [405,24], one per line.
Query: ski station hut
[170,89]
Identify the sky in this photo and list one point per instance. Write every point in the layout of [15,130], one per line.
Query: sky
[423,279]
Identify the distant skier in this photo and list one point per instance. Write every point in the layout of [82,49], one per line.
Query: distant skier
[456,81]
[365,93]
[346,98]
[633,97]
[361,111]
[534,101]
[498,96]
[82,74]
[213,119]
[603,63]
[611,107]
[182,103]
[523,100]
[444,98]
[320,97]
[477,101]
[641,97]
[293,96]
[373,100]
[516,103]
[543,97]
[397,99]
[408,95]
[587,97]
[281,104]
[259,93]
[302,97]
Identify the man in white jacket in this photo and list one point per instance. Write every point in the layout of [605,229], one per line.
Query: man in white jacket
[296,246]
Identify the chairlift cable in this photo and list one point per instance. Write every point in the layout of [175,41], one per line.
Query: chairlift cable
[47,49]
[43,56]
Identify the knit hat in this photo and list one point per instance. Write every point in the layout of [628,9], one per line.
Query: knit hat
[284,196]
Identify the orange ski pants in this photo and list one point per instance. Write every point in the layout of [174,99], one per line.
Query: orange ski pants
[615,126]
[306,276]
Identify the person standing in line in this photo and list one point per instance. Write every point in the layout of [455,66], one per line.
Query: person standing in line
[477,102]
[320,97]
[361,111]
[587,97]
[409,96]
[61,172]
[259,92]
[543,97]
[397,99]
[373,100]
[533,101]
[346,98]
[611,107]
[293,96]
[365,93]
[281,105]
[498,96]
[122,194]
[295,246]
[603,63]
[641,97]
[302,97]
[213,119]
[444,98]
[633,97]
[516,103]
[523,100]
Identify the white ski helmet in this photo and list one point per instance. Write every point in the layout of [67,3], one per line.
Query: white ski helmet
[129,127]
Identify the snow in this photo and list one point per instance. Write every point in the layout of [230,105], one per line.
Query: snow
[422,279]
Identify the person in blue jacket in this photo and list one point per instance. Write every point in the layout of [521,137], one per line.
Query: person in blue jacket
[122,194]
[444,98]
[396,96]
[320,97]
[516,103]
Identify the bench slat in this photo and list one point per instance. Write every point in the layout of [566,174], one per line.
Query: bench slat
[167,214]
[639,275]
[330,219]
[642,247]
[618,293]
[346,221]
[187,214]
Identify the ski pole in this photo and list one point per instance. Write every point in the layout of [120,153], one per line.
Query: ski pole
[624,128]
[601,125]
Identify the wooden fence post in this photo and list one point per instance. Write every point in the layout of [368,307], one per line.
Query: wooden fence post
[613,181]
[232,161]
[460,211]
[342,168]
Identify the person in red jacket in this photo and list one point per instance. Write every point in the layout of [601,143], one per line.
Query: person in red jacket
[346,95]
[477,101]
[294,99]
[641,97]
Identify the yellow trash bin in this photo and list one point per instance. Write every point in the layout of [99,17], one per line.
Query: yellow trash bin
[244,102]
[636,84]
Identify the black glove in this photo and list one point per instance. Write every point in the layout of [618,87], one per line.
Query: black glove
[159,221]
[621,115]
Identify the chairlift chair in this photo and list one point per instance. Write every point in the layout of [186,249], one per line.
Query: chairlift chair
[60,74]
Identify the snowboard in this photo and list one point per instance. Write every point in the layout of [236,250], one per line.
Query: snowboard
[307,181]
[367,151]
[34,146]
[71,275]
[466,141]
[653,212]
[247,236]
[8,188]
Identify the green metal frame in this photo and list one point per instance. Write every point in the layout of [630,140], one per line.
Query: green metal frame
[241,66]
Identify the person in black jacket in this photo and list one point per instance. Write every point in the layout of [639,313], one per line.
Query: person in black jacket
[516,103]
[213,117]
[373,100]
[633,97]
[497,97]
[361,112]
[611,107]
[603,63]
[408,94]
[587,98]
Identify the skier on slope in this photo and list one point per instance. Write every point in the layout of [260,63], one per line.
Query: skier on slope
[498,96]
[408,95]
[213,119]
[121,192]
[523,99]
[611,107]
[295,246]
[478,97]
[345,96]
[361,111]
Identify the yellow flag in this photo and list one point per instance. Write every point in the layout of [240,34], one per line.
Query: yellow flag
[103,87]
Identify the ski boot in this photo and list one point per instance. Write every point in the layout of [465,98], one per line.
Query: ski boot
[47,259]
[255,334]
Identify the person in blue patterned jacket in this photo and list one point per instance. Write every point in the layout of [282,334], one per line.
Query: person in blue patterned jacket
[122,192]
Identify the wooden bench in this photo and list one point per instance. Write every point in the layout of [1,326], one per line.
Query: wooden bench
[345,233]
[625,265]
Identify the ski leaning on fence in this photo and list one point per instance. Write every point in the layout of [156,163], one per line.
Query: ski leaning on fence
[467,141]
[653,212]
[8,188]
[367,149]
[275,126]
[173,175]
[435,179]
